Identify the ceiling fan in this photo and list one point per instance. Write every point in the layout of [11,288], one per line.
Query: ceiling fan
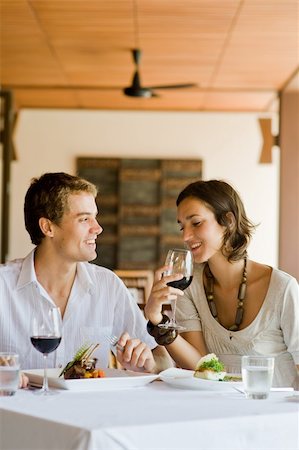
[137,90]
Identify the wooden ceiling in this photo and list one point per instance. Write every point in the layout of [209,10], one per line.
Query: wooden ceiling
[76,53]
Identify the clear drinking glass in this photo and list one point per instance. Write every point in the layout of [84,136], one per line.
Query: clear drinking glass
[257,375]
[178,260]
[9,373]
[46,337]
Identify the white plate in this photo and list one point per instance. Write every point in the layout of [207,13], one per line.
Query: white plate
[115,379]
[185,379]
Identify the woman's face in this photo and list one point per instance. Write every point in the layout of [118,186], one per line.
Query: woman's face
[201,232]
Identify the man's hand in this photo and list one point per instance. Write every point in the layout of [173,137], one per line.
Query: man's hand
[134,354]
[23,381]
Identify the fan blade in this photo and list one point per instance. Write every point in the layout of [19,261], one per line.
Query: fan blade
[174,86]
[137,90]
[140,92]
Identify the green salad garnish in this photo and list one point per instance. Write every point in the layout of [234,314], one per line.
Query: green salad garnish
[213,364]
[232,378]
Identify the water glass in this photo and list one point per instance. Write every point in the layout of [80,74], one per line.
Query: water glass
[257,375]
[9,373]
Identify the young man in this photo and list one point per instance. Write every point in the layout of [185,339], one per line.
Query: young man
[60,217]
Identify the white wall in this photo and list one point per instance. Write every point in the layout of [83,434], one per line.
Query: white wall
[229,144]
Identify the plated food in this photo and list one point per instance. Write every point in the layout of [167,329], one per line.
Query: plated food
[209,375]
[185,379]
[83,365]
[115,379]
[81,374]
[210,368]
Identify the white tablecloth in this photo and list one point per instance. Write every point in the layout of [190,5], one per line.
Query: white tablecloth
[153,417]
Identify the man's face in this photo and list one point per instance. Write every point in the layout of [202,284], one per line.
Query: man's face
[75,236]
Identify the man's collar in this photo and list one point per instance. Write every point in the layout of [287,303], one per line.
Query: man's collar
[28,275]
[83,276]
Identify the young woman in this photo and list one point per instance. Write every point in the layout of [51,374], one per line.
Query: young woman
[234,306]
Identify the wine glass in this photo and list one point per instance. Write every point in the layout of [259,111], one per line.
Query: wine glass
[46,337]
[178,260]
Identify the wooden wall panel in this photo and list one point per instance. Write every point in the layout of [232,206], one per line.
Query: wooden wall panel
[137,208]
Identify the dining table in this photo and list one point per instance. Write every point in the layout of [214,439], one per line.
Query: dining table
[154,416]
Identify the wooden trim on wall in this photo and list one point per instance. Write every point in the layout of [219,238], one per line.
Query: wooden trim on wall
[6,133]
[289,181]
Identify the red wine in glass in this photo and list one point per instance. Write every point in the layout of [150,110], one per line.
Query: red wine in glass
[45,344]
[179,261]
[181,284]
[46,337]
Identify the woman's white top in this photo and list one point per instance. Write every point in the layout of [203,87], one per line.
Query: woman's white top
[273,332]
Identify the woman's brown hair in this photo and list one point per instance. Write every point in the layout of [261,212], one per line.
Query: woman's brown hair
[221,199]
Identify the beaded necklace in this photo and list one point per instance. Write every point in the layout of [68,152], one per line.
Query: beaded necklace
[241,296]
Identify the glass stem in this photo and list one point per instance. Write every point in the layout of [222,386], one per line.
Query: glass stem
[45,381]
[173,310]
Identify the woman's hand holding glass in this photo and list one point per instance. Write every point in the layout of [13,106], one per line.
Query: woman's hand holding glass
[160,294]
[165,278]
